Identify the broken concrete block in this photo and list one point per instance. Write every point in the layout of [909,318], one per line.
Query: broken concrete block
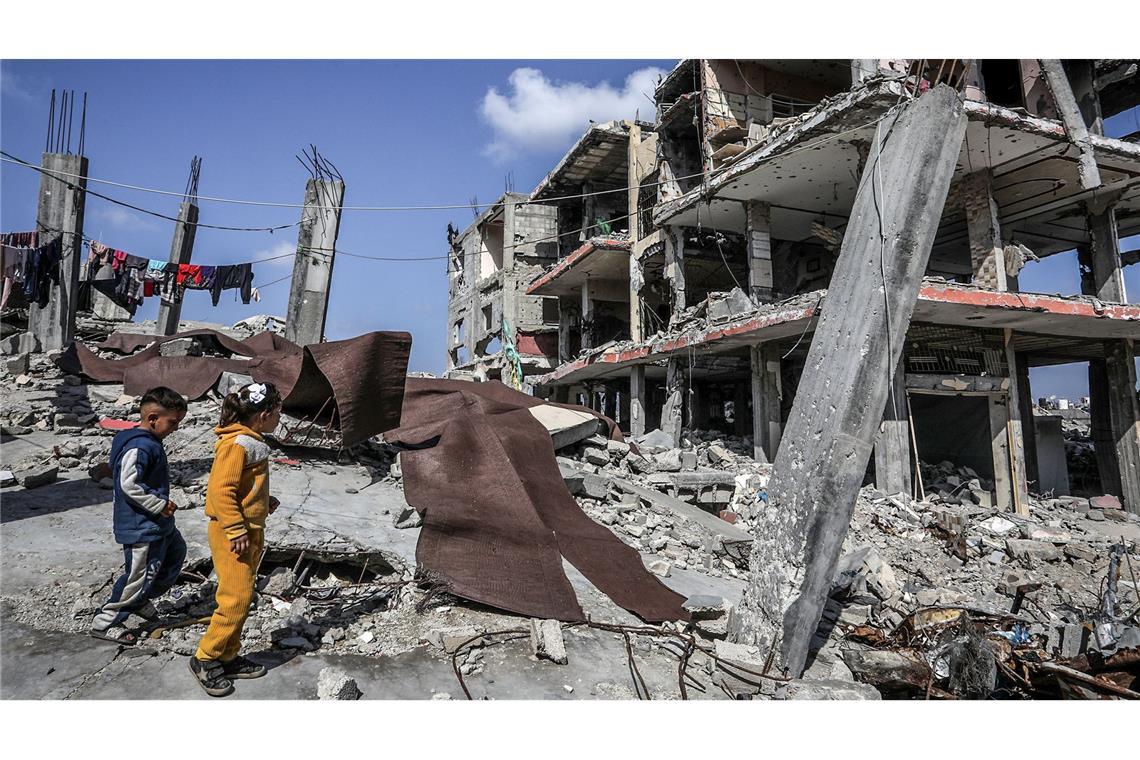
[600,457]
[409,518]
[1074,640]
[668,461]
[654,442]
[1052,535]
[688,461]
[801,689]
[1102,502]
[546,641]
[23,381]
[334,683]
[278,582]
[660,568]
[719,454]
[999,526]
[617,449]
[20,343]
[65,420]
[18,365]
[40,475]
[706,606]
[7,478]
[1032,551]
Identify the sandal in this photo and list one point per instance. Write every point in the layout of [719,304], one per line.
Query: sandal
[243,667]
[116,634]
[211,677]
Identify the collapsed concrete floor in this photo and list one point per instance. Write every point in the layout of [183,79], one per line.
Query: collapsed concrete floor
[339,588]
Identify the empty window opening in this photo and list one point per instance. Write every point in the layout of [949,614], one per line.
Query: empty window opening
[1002,80]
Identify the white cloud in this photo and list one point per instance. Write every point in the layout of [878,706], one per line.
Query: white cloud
[120,218]
[15,86]
[538,113]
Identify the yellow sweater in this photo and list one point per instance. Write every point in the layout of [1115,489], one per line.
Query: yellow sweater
[238,493]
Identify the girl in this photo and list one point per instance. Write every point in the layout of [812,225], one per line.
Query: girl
[237,502]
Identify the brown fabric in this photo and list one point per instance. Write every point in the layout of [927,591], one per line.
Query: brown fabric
[498,518]
[364,376]
[261,344]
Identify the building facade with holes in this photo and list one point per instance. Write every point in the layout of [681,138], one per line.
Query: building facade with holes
[695,253]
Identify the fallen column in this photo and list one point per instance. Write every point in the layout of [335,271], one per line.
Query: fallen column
[839,403]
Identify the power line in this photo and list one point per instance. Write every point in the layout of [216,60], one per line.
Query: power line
[9,158]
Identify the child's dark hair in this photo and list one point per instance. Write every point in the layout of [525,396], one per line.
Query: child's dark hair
[168,399]
[253,399]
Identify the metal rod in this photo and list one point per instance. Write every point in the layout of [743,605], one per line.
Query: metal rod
[51,123]
[83,125]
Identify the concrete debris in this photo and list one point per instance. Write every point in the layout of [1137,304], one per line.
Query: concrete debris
[335,684]
[546,641]
[409,518]
[38,476]
[800,689]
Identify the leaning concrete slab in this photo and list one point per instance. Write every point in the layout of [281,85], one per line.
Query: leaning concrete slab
[850,366]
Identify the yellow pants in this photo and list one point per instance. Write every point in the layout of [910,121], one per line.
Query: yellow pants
[237,574]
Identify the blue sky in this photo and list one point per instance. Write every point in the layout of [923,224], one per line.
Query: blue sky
[401,132]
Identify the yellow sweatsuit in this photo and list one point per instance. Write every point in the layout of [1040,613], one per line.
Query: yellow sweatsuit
[237,503]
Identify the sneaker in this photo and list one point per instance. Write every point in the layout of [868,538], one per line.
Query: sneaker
[211,676]
[243,667]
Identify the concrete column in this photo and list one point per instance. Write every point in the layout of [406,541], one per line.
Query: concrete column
[313,267]
[587,315]
[181,248]
[1082,80]
[1107,271]
[636,272]
[60,211]
[766,393]
[984,227]
[1028,422]
[637,400]
[1019,487]
[1124,415]
[636,283]
[892,448]
[672,409]
[698,405]
[675,269]
[758,218]
[1104,443]
[1064,98]
[831,430]
[564,324]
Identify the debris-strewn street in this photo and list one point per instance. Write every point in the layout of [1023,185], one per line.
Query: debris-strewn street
[755,379]
[940,598]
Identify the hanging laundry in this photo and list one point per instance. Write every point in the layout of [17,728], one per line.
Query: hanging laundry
[11,269]
[189,274]
[233,276]
[41,270]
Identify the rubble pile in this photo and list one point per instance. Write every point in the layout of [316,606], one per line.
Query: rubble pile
[949,596]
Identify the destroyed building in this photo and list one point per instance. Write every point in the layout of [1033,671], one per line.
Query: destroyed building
[488,312]
[689,295]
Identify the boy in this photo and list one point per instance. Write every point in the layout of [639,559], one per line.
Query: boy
[143,516]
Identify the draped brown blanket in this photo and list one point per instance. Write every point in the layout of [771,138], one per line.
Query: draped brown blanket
[498,518]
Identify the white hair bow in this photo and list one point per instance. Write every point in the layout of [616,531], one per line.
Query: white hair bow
[257,392]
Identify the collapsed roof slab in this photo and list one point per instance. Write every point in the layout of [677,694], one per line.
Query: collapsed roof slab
[596,259]
[807,170]
[938,303]
[601,157]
